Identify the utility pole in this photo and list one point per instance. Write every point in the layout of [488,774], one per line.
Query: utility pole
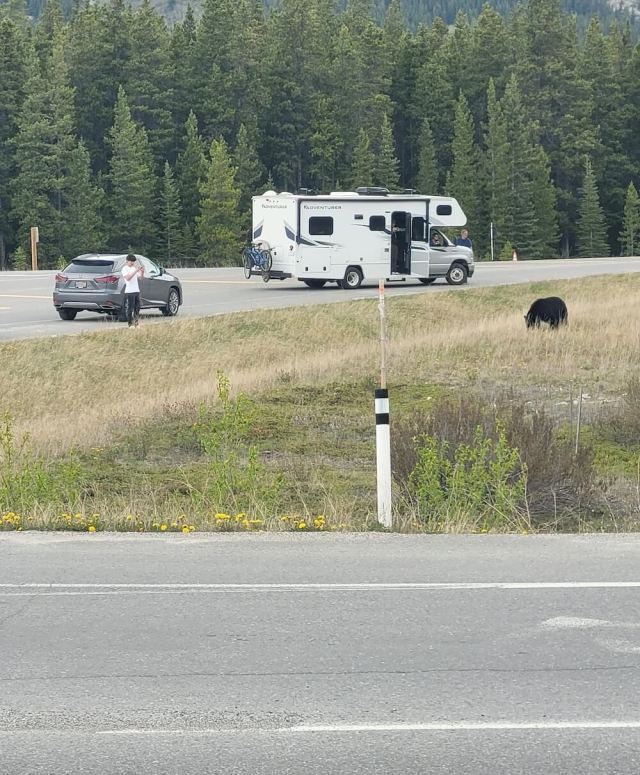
[491,231]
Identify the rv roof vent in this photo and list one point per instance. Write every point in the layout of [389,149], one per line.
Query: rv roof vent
[307,192]
[372,191]
[410,191]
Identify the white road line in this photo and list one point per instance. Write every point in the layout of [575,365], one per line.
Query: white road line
[489,726]
[93,588]
[464,727]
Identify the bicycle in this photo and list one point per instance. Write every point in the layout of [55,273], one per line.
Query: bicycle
[257,260]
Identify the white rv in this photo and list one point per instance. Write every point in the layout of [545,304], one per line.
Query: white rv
[368,234]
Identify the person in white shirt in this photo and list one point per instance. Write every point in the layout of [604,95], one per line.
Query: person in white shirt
[131,272]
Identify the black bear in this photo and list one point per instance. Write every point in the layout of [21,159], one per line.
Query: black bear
[552,311]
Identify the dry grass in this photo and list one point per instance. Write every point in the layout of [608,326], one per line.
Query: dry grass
[80,390]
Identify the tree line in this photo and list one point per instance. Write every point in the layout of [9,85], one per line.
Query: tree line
[117,132]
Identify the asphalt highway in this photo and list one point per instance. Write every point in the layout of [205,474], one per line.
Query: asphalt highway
[319,654]
[26,308]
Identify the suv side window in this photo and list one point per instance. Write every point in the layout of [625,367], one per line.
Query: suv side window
[150,269]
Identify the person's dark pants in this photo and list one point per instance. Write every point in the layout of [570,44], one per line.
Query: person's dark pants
[132,307]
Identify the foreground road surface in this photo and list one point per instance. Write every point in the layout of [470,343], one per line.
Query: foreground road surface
[319,654]
[26,309]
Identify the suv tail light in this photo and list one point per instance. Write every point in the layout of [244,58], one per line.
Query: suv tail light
[110,279]
[61,278]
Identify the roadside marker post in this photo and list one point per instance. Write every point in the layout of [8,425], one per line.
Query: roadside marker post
[35,238]
[383,434]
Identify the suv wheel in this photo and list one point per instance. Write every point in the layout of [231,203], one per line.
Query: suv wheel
[67,314]
[173,304]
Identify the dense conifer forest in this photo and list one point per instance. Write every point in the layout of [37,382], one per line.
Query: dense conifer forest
[120,131]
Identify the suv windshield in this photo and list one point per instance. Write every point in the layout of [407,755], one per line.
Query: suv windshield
[89,267]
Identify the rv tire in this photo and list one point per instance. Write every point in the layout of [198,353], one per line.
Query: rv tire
[457,274]
[314,283]
[352,278]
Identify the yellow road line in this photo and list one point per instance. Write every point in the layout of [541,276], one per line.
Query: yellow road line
[5,307]
[22,296]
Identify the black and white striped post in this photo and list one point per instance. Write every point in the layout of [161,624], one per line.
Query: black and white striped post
[383,434]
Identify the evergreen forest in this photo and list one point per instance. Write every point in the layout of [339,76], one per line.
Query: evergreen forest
[118,131]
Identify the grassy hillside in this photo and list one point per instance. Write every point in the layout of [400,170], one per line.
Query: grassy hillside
[165,444]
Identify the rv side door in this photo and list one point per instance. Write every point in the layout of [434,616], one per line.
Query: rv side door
[400,243]
[419,248]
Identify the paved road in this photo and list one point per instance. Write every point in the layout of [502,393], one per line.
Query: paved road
[360,654]
[26,309]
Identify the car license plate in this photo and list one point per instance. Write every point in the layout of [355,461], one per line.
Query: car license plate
[81,284]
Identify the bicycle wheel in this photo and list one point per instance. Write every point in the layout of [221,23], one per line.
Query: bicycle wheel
[248,263]
[267,261]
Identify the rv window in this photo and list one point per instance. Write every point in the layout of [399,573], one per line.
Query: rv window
[443,210]
[376,223]
[321,226]
[417,229]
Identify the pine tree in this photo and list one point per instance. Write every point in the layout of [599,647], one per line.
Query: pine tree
[592,229]
[170,216]
[363,161]
[462,182]
[250,173]
[219,223]
[385,171]
[326,143]
[520,215]
[50,24]
[83,230]
[98,50]
[545,243]
[630,236]
[15,56]
[191,170]
[147,78]
[132,183]
[15,11]
[426,180]
[496,169]
[556,98]
[44,143]
[183,37]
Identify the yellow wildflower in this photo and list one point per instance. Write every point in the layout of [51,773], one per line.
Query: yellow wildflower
[92,528]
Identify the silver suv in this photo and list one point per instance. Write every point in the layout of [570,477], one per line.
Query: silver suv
[94,282]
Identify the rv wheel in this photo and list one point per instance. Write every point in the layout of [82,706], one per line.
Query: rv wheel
[352,278]
[457,274]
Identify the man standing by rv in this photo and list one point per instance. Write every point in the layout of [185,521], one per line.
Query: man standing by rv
[464,240]
[131,272]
